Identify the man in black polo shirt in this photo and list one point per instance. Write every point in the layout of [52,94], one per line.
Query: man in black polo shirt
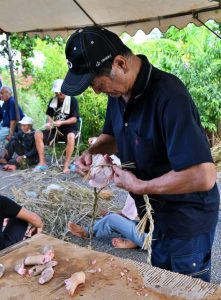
[152,121]
[62,114]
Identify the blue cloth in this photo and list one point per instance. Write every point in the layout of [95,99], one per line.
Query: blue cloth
[188,256]
[4,131]
[159,130]
[9,113]
[116,225]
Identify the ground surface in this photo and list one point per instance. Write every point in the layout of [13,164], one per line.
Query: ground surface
[8,179]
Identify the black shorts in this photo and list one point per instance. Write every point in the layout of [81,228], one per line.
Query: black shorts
[60,136]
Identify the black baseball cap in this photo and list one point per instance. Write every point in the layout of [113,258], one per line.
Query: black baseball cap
[87,50]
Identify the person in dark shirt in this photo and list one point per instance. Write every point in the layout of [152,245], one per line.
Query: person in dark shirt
[152,121]
[17,225]
[62,115]
[22,144]
[9,119]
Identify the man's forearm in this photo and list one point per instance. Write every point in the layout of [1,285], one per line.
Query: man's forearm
[70,121]
[194,179]
[105,144]
[12,127]
[30,217]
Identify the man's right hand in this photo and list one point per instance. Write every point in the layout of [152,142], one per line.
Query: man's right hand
[48,125]
[83,163]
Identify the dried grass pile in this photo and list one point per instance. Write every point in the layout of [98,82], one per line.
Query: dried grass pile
[69,201]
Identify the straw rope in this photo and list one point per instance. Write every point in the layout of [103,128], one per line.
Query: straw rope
[142,226]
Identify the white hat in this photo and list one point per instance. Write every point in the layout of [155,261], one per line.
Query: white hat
[26,121]
[57,86]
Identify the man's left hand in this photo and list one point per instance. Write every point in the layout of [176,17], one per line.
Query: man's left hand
[126,180]
[58,123]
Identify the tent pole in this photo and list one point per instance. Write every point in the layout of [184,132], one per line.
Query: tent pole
[195,16]
[12,75]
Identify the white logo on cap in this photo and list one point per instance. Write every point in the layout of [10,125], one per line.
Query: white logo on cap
[98,64]
[69,63]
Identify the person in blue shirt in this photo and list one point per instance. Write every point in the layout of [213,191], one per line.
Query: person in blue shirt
[9,120]
[152,121]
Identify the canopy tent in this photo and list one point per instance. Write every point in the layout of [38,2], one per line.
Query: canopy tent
[62,17]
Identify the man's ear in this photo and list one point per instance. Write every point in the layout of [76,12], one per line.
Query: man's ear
[121,62]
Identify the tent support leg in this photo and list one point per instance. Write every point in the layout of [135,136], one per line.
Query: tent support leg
[195,16]
[12,75]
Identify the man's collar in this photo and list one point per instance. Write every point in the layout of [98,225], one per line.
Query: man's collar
[142,79]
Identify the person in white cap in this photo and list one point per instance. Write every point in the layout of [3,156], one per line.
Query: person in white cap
[62,115]
[23,145]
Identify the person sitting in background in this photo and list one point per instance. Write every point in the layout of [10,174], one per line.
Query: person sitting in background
[62,114]
[17,225]
[9,120]
[22,144]
[123,224]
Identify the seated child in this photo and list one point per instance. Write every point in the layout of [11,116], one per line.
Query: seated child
[22,144]
[123,224]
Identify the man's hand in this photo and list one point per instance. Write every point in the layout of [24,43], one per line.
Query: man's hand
[19,159]
[126,180]
[8,137]
[58,123]
[32,231]
[83,163]
[48,125]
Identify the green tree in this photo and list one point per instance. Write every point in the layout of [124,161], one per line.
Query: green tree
[54,67]
[194,55]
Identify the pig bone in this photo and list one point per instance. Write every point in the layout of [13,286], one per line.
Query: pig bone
[91,271]
[48,250]
[39,259]
[20,267]
[38,269]
[2,270]
[75,280]
[46,275]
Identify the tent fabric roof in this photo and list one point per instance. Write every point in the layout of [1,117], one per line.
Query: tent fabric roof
[62,17]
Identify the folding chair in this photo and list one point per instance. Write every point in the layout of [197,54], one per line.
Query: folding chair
[77,139]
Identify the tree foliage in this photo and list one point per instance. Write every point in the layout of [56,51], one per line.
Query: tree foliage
[193,54]
[54,67]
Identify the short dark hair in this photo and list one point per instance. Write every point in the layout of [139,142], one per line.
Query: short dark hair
[107,67]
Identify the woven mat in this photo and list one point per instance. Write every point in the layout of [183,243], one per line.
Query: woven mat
[174,284]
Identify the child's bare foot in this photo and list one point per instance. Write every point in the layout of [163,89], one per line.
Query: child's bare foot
[123,243]
[77,230]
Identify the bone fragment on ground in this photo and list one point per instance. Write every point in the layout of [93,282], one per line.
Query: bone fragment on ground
[2,270]
[75,280]
[46,275]
[20,267]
